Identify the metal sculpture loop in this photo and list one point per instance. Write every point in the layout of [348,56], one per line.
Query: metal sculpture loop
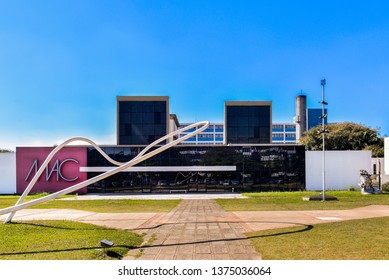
[142,156]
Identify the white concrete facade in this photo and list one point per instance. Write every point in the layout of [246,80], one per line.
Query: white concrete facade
[386,155]
[342,169]
[378,169]
[7,173]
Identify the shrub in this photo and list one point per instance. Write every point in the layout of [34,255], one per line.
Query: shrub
[385,187]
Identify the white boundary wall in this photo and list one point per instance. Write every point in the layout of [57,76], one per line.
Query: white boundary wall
[7,173]
[342,169]
[386,155]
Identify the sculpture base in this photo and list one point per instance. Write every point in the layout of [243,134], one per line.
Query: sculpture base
[370,190]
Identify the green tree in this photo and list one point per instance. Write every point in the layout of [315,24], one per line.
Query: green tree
[345,136]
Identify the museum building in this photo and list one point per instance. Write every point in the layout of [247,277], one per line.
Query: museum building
[247,160]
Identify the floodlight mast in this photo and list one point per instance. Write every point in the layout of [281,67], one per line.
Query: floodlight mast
[323,132]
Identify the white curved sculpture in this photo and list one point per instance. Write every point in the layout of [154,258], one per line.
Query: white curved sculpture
[143,155]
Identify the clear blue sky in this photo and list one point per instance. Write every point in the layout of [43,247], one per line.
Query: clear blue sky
[62,63]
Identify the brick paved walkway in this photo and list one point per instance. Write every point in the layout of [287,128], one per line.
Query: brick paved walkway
[195,230]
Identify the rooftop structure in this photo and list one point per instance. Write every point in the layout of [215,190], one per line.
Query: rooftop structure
[142,119]
[247,122]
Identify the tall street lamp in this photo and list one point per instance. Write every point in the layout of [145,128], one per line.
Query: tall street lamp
[323,132]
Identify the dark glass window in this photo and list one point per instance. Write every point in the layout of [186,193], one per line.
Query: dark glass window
[148,118]
[157,118]
[248,124]
[125,107]
[141,122]
[148,107]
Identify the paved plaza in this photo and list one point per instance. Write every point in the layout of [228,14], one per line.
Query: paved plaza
[200,229]
[196,230]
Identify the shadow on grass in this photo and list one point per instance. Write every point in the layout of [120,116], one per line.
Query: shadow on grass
[109,253]
[115,255]
[307,228]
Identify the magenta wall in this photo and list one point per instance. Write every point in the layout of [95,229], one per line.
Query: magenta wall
[63,170]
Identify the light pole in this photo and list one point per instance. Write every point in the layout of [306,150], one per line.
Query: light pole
[323,132]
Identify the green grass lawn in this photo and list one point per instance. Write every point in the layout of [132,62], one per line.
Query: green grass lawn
[278,201]
[265,201]
[63,240]
[365,239]
[358,239]
[101,206]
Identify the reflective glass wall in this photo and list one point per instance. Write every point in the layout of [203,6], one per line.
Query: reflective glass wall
[258,168]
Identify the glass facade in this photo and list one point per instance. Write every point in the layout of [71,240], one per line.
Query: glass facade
[258,168]
[141,122]
[248,124]
[284,133]
[212,135]
[278,128]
